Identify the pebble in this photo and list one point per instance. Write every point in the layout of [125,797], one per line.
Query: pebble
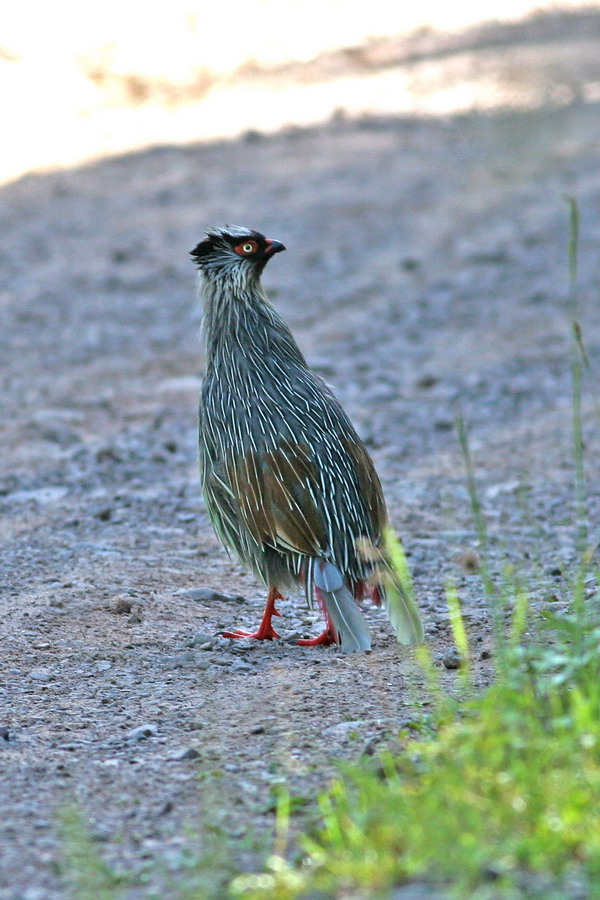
[209,595]
[238,666]
[203,640]
[42,674]
[123,606]
[4,733]
[176,660]
[201,661]
[42,496]
[33,893]
[142,732]
[103,665]
[187,753]
[343,729]
[451,659]
[469,560]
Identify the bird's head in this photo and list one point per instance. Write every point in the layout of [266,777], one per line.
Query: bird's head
[235,253]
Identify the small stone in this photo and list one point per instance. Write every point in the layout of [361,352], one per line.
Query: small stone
[103,665]
[342,730]
[451,659]
[42,674]
[485,654]
[203,640]
[123,606]
[40,645]
[33,893]
[426,381]
[142,732]
[408,264]
[469,561]
[257,729]
[209,595]
[370,747]
[553,569]
[188,753]
[239,666]
[4,733]
[201,662]
[108,454]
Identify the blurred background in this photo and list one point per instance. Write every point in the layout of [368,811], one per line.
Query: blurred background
[93,79]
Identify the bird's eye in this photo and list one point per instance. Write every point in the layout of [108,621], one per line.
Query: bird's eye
[247,249]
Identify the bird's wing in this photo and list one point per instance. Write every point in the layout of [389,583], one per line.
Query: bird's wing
[369,484]
[276,493]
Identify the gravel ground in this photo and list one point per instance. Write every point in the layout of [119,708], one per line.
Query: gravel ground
[425,275]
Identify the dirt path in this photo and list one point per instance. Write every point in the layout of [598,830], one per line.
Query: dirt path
[425,273]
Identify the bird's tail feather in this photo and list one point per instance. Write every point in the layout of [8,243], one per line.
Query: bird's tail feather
[341,607]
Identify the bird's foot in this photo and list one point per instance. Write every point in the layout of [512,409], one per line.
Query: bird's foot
[262,634]
[325,639]
[265,631]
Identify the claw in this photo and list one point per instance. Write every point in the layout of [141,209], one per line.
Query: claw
[325,639]
[263,634]
[265,631]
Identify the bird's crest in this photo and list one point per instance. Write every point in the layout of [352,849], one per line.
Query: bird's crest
[218,238]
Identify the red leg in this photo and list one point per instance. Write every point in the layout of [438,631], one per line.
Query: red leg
[329,636]
[376,595]
[265,632]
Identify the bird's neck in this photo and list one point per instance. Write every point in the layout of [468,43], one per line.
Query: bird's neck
[244,322]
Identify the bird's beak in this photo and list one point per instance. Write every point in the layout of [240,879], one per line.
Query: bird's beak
[273,247]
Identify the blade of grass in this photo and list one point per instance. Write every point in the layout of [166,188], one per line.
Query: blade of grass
[459,632]
[578,359]
[494,597]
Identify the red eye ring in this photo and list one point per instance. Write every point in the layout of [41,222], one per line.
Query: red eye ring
[247,248]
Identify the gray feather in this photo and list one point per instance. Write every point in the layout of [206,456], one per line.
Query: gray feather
[342,608]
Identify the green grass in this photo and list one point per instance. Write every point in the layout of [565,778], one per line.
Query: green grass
[502,800]
[86,876]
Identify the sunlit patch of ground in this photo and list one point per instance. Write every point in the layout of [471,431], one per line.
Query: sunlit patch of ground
[83,84]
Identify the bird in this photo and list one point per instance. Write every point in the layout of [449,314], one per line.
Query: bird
[287,483]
